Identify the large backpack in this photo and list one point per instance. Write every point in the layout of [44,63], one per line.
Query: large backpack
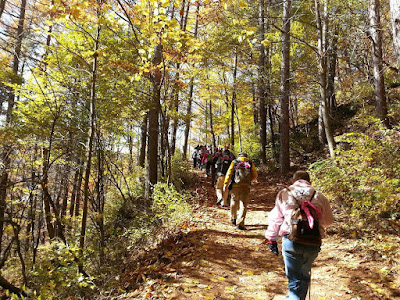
[242,173]
[222,165]
[302,231]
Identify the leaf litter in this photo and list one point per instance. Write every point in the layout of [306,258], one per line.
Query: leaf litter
[214,260]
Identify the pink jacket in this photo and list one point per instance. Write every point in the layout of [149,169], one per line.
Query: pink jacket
[279,217]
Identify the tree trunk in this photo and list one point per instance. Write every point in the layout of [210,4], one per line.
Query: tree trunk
[395,16]
[143,141]
[261,83]
[332,57]
[322,32]
[212,125]
[377,61]
[100,199]
[47,196]
[152,152]
[89,146]
[5,155]
[233,102]
[271,125]
[284,157]
[191,87]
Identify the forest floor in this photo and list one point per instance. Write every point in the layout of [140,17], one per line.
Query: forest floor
[215,260]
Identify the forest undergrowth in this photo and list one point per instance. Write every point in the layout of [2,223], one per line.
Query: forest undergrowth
[208,258]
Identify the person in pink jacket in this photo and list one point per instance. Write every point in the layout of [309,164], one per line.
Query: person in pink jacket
[298,258]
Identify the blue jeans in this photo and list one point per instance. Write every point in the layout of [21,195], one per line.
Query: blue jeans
[298,259]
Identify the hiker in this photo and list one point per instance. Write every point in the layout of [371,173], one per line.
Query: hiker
[216,155]
[195,156]
[238,179]
[208,162]
[222,165]
[298,257]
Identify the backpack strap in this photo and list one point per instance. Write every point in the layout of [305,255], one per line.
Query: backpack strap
[298,202]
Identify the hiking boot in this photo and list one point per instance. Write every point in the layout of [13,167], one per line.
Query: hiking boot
[241,227]
[233,221]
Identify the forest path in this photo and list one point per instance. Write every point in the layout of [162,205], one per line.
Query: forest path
[215,260]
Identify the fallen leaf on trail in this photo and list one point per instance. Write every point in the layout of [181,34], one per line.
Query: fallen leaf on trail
[221,278]
[203,286]
[249,272]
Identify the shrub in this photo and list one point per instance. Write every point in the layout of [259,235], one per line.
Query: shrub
[170,206]
[364,175]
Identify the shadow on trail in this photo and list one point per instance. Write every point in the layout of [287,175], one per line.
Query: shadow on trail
[221,260]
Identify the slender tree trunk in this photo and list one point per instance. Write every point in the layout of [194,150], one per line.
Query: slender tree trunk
[212,124]
[332,57]
[271,125]
[89,146]
[255,105]
[188,118]
[47,196]
[322,32]
[285,89]
[233,103]
[6,152]
[143,141]
[395,16]
[74,191]
[152,152]
[261,82]
[377,61]
[100,199]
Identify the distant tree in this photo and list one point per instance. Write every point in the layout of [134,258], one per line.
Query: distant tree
[262,77]
[377,60]
[284,158]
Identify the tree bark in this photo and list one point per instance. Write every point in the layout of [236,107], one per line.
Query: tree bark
[322,27]
[332,60]
[233,102]
[6,152]
[377,61]
[190,96]
[89,145]
[284,157]
[152,152]
[143,141]
[261,83]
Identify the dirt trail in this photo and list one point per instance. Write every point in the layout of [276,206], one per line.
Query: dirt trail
[215,260]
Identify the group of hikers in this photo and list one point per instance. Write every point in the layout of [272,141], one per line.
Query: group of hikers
[299,216]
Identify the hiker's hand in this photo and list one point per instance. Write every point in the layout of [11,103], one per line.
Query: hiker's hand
[273,247]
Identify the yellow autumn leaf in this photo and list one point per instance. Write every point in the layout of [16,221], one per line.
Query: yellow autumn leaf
[221,278]
[242,4]
[168,254]
[379,290]
[249,272]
